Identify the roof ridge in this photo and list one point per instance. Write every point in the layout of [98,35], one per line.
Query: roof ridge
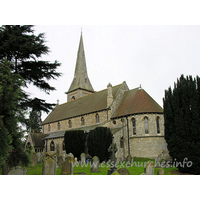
[88,95]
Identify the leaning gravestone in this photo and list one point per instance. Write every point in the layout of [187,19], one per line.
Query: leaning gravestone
[83,158]
[123,171]
[149,170]
[67,166]
[18,170]
[49,164]
[95,164]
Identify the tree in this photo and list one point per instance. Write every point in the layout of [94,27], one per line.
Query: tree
[10,115]
[75,142]
[35,121]
[24,49]
[98,142]
[182,123]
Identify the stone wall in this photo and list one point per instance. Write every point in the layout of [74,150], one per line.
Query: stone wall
[142,144]
[90,119]
[149,147]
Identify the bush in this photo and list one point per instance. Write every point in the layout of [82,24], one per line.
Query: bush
[98,142]
[75,142]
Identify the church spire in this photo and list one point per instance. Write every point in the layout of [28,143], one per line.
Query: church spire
[81,80]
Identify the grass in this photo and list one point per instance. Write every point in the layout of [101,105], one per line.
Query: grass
[136,169]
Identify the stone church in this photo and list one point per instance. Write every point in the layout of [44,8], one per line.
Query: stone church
[135,119]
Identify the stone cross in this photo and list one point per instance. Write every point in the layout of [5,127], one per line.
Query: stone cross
[112,149]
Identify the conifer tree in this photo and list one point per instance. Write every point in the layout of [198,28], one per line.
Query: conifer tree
[24,49]
[182,123]
[98,142]
[35,121]
[11,146]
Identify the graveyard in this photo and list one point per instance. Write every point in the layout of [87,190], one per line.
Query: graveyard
[136,169]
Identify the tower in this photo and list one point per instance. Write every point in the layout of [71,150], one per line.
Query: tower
[80,85]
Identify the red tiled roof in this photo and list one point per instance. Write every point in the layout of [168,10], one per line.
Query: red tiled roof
[137,101]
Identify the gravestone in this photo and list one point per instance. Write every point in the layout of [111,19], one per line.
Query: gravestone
[83,158]
[123,171]
[69,155]
[95,164]
[49,164]
[149,170]
[60,161]
[112,149]
[161,172]
[18,170]
[67,166]
[129,158]
[39,155]
[34,159]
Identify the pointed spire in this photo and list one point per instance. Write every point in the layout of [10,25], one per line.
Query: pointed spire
[81,80]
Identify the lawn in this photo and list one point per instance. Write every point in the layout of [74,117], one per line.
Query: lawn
[137,168]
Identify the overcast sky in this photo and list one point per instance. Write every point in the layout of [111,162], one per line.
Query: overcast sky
[153,56]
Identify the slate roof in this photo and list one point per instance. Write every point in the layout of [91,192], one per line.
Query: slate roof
[37,139]
[88,104]
[137,101]
[81,79]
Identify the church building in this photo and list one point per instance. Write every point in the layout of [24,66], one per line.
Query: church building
[135,119]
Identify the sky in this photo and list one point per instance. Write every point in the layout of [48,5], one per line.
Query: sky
[151,55]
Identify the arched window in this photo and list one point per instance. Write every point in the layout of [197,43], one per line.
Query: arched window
[97,118]
[134,126]
[58,125]
[52,146]
[82,121]
[63,145]
[49,127]
[146,125]
[122,142]
[70,123]
[158,124]
[73,98]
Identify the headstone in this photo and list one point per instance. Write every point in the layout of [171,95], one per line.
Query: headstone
[18,170]
[67,166]
[161,172]
[129,158]
[123,171]
[75,159]
[49,164]
[39,155]
[149,170]
[83,158]
[34,159]
[69,155]
[60,161]
[112,149]
[95,164]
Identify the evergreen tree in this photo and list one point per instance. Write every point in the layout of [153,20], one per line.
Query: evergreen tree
[75,142]
[182,123]
[24,49]
[10,117]
[98,142]
[35,121]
